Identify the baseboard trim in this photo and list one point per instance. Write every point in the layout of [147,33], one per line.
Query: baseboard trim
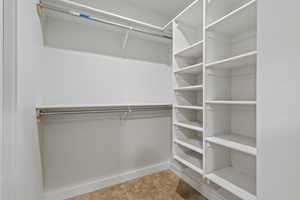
[94,185]
[201,187]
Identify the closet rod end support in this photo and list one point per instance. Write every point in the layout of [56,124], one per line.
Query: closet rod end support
[38,116]
[39,8]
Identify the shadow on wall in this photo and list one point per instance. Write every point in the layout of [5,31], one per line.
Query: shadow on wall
[65,32]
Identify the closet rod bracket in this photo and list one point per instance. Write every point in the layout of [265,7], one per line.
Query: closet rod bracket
[39,8]
[38,115]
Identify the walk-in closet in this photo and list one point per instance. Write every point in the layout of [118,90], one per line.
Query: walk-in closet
[149,100]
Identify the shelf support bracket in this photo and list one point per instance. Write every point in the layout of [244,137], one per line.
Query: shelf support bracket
[125,41]
[38,115]
[39,9]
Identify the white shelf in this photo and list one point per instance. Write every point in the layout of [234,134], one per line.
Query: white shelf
[193,69]
[190,125]
[236,61]
[236,142]
[189,107]
[192,144]
[232,102]
[190,88]
[191,15]
[190,162]
[78,106]
[238,21]
[100,12]
[235,182]
[192,51]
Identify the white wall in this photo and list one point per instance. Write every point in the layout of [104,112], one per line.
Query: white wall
[28,165]
[1,101]
[69,77]
[50,76]
[77,150]
[278,100]
[81,149]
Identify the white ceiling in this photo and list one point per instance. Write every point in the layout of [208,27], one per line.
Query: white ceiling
[164,7]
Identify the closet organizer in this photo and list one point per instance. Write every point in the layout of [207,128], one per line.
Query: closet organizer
[214,58]
[211,45]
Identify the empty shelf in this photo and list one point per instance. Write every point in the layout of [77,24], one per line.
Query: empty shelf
[232,102]
[192,144]
[190,88]
[189,107]
[238,21]
[190,125]
[235,182]
[236,61]
[236,142]
[193,51]
[193,69]
[192,15]
[190,162]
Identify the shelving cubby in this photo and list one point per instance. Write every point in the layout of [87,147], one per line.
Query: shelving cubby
[188,28]
[232,35]
[217,10]
[190,139]
[215,81]
[189,119]
[232,126]
[232,170]
[189,158]
[230,96]
[237,84]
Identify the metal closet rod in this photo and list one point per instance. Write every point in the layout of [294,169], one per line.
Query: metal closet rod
[42,6]
[45,112]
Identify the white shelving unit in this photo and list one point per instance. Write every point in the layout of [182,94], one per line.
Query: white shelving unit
[188,43]
[230,96]
[214,60]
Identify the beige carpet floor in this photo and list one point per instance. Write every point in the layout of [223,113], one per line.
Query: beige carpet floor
[164,185]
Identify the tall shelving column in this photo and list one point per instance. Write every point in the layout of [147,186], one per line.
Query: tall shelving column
[188,87]
[230,97]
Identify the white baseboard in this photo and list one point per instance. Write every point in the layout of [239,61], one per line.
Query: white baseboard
[94,185]
[200,186]
[87,187]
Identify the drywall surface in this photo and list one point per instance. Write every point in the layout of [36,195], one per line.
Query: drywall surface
[278,100]
[28,165]
[70,77]
[63,32]
[82,149]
